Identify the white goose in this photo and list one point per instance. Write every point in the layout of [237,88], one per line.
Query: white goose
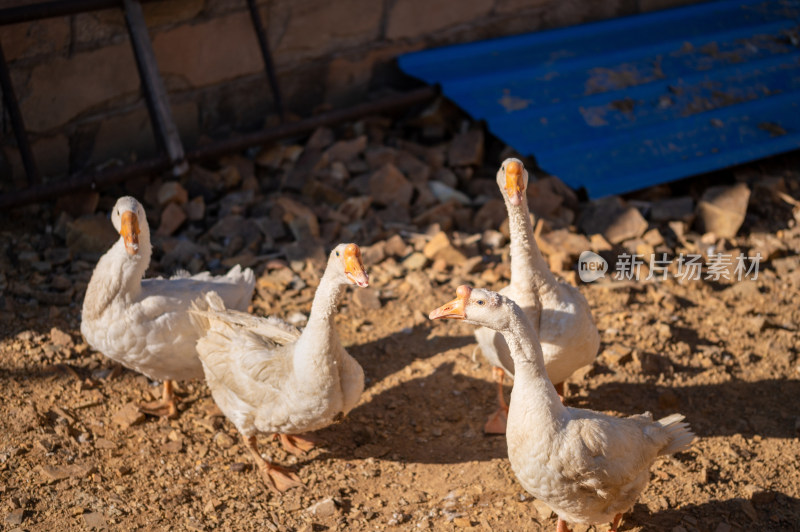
[267,377]
[144,324]
[559,311]
[587,466]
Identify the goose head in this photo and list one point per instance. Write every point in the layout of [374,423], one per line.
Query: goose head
[130,221]
[512,178]
[346,260]
[476,306]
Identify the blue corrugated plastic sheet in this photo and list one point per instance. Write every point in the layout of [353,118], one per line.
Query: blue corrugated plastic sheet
[623,104]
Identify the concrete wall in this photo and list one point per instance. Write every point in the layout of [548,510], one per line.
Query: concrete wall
[78,86]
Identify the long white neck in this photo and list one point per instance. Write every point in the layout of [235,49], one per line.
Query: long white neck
[529,270]
[533,393]
[320,339]
[117,274]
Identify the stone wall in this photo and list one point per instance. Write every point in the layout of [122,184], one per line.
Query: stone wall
[78,86]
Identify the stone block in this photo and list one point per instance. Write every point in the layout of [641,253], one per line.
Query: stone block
[98,27]
[31,39]
[59,90]
[129,136]
[405,22]
[514,6]
[314,28]
[209,52]
[161,13]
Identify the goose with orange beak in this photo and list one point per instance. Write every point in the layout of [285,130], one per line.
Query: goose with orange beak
[268,377]
[558,310]
[144,324]
[587,466]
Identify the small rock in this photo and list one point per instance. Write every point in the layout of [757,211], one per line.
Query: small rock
[440,247]
[172,192]
[195,209]
[78,204]
[59,337]
[55,473]
[173,446]
[444,193]
[239,467]
[367,298]
[721,210]
[345,150]
[542,509]
[388,185]
[16,517]
[94,521]
[415,261]
[669,209]
[395,246]
[320,139]
[91,234]
[628,224]
[172,217]
[617,354]
[323,508]
[128,415]
[301,220]
[466,149]
[223,441]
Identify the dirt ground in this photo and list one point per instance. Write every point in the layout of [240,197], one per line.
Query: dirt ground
[412,455]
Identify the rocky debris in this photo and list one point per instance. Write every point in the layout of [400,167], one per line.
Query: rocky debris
[367,298]
[670,209]
[128,416]
[172,217]
[60,338]
[323,508]
[466,149]
[627,224]
[90,234]
[172,192]
[16,517]
[94,521]
[54,473]
[440,248]
[195,209]
[722,209]
[388,185]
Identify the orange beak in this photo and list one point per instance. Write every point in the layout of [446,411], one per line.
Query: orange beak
[456,309]
[129,229]
[515,188]
[353,267]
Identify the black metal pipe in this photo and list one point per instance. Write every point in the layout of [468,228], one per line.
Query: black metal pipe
[17,123]
[26,13]
[155,93]
[307,125]
[151,166]
[269,65]
[81,181]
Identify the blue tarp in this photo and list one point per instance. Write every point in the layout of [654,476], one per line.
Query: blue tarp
[624,104]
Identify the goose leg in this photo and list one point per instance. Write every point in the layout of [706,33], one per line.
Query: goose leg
[561,526]
[615,524]
[275,477]
[297,445]
[166,407]
[497,421]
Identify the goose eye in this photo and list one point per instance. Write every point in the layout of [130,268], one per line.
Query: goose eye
[481,302]
[337,253]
